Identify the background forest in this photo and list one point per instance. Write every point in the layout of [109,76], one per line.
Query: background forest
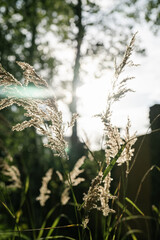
[58,38]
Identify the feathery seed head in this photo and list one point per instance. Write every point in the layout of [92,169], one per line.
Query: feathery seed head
[44,191]
[14,175]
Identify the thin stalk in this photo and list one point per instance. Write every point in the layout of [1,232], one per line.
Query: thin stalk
[11,212]
[75,203]
[92,154]
[31,217]
[67,174]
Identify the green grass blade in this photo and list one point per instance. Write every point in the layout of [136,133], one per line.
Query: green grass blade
[135,217]
[155,209]
[124,208]
[90,235]
[8,235]
[23,198]
[56,221]
[134,205]
[56,237]
[131,232]
[76,206]
[113,161]
[45,221]
[7,209]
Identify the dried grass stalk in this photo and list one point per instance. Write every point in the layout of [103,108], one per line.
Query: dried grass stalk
[13,174]
[44,191]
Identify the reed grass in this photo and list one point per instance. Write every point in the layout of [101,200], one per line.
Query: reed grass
[43,114]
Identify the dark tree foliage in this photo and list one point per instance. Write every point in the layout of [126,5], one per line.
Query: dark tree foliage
[152,14]
[24,26]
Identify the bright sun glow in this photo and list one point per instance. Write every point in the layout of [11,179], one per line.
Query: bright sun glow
[93,92]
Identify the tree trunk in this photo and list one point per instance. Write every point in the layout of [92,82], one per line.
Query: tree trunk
[33,31]
[79,39]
